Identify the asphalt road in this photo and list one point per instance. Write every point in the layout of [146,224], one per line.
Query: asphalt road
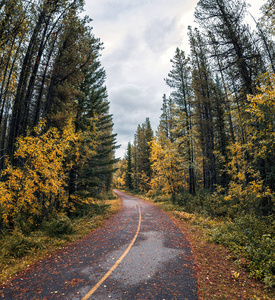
[139,254]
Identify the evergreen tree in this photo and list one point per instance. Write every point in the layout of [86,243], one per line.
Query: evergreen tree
[11,19]
[179,80]
[203,103]
[225,21]
[268,18]
[225,92]
[49,15]
[93,117]
[141,154]
[129,171]
[167,119]
[220,133]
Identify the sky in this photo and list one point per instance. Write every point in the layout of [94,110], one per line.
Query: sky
[140,38]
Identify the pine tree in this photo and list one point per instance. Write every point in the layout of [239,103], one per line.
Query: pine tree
[11,19]
[225,21]
[203,103]
[141,154]
[220,133]
[179,80]
[14,25]
[53,60]
[49,14]
[217,60]
[92,113]
[129,171]
[167,119]
[268,18]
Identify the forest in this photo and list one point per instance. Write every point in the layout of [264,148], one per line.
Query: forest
[56,132]
[213,153]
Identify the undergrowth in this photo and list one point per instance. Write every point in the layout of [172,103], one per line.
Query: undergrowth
[252,243]
[249,237]
[19,249]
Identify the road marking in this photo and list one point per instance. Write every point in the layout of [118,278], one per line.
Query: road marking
[117,262]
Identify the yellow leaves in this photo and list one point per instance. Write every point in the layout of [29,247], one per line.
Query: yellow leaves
[262,105]
[246,188]
[238,167]
[261,126]
[40,127]
[143,182]
[42,173]
[235,275]
[246,197]
[121,182]
[120,175]
[167,168]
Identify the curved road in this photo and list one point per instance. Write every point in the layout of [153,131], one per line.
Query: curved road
[139,254]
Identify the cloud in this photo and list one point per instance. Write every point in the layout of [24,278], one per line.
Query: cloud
[160,33]
[140,38]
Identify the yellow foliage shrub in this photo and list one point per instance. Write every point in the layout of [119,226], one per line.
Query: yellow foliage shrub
[37,183]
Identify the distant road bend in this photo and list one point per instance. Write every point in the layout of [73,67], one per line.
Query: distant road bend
[139,254]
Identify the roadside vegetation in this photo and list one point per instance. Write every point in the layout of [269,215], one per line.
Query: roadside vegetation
[234,258]
[20,250]
[57,150]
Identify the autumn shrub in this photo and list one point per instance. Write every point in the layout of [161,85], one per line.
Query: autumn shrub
[152,194]
[18,245]
[106,195]
[251,240]
[90,207]
[90,210]
[197,203]
[202,203]
[162,198]
[182,198]
[2,224]
[58,226]
[36,185]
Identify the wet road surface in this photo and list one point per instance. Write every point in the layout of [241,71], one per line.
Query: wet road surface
[145,253]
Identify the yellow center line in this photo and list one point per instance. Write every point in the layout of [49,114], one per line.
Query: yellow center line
[117,262]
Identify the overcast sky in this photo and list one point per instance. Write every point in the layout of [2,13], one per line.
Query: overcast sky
[140,37]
